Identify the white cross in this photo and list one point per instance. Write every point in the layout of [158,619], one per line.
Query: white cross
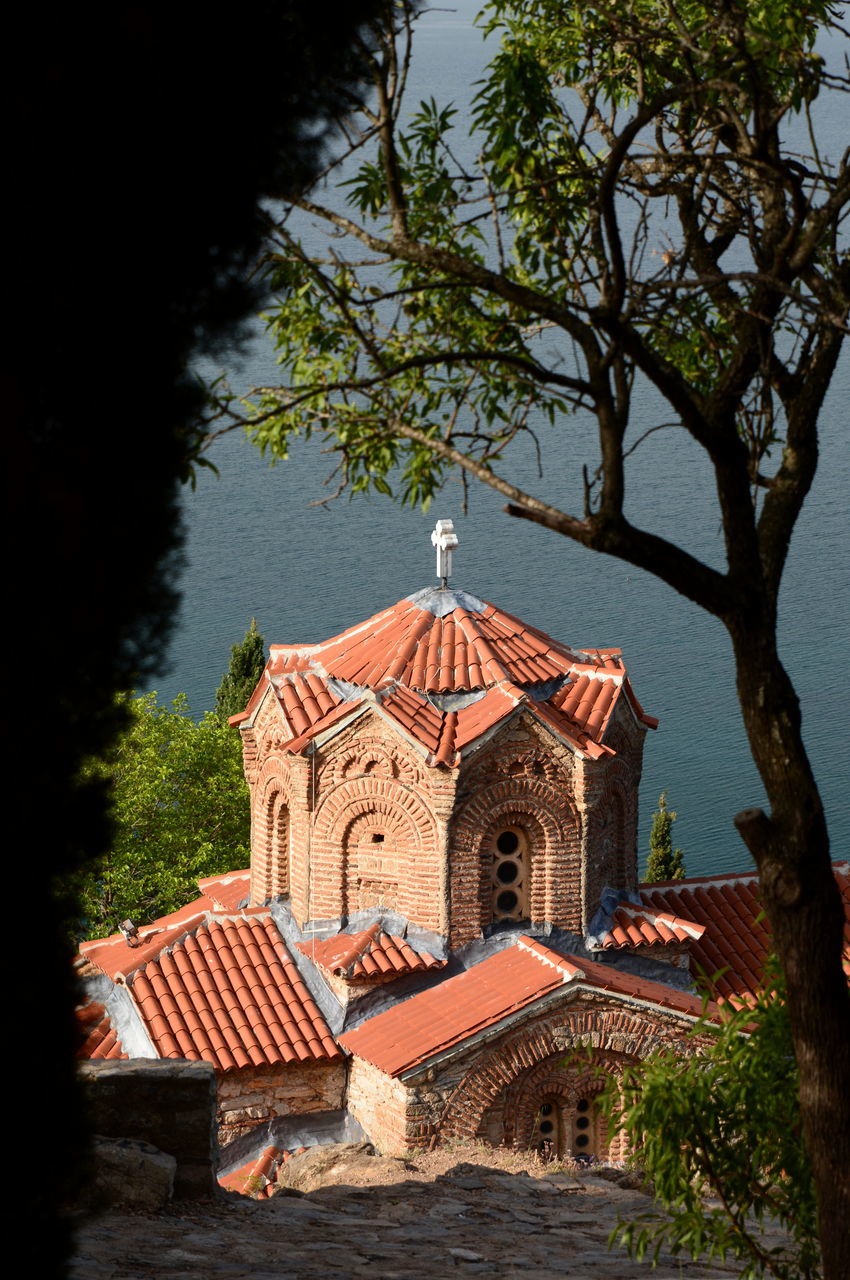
[445,540]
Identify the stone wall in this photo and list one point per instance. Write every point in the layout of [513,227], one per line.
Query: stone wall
[165,1102]
[255,1095]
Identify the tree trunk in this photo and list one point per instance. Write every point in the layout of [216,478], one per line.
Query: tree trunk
[803,905]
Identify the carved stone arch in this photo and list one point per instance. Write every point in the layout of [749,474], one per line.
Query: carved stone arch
[270,833]
[608,1032]
[375,845]
[552,826]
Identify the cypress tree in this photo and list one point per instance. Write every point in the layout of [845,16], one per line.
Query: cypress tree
[247,661]
[664,862]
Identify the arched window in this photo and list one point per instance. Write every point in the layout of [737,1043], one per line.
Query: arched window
[585,1136]
[547,1137]
[279,862]
[510,874]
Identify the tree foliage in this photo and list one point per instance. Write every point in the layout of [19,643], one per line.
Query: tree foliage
[719,1136]
[647,206]
[664,862]
[247,661]
[180,811]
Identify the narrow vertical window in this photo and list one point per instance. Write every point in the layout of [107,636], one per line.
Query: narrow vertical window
[509,875]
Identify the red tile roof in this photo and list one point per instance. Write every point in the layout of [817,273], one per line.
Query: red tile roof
[736,940]
[459,1008]
[435,644]
[98,1038]
[258,1177]
[436,1019]
[115,955]
[229,892]
[637,926]
[230,994]
[415,1030]
[371,954]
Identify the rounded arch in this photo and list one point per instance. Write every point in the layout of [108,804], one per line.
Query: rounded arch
[366,754]
[547,823]
[270,834]
[613,1036]
[375,845]
[572,1087]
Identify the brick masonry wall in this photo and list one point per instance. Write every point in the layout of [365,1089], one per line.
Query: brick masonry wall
[378,835]
[252,1096]
[386,1108]
[523,778]
[365,823]
[493,1090]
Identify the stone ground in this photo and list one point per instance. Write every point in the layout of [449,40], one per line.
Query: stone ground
[454,1213]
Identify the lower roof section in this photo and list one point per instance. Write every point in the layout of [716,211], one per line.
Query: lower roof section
[730,952]
[447,1016]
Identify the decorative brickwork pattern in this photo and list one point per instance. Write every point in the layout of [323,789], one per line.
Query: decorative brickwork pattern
[515,785]
[375,844]
[270,831]
[611,1032]
[357,752]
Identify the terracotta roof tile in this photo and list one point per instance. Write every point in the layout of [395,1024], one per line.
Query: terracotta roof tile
[735,942]
[114,955]
[98,1038]
[229,892]
[231,995]
[373,953]
[258,1177]
[435,1020]
[442,644]
[636,926]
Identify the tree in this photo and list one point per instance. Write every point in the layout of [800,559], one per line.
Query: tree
[247,661]
[127,254]
[637,216]
[718,1135]
[664,862]
[180,811]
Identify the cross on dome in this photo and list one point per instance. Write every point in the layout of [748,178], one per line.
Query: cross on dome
[445,540]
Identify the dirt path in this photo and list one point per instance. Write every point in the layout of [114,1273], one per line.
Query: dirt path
[448,1214]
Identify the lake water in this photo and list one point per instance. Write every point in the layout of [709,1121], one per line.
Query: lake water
[256,547]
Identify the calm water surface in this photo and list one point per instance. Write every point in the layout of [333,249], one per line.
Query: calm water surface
[256,547]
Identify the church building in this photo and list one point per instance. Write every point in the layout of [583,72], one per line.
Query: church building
[441,933]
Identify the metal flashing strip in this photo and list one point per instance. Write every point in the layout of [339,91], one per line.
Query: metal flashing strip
[442,601]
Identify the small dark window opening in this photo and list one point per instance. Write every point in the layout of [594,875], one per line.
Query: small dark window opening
[507,872]
[507,842]
[378,838]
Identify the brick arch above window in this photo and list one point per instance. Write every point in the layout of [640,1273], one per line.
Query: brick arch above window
[610,1033]
[375,845]
[551,830]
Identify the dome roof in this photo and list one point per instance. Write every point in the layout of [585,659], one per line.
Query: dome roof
[446,667]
